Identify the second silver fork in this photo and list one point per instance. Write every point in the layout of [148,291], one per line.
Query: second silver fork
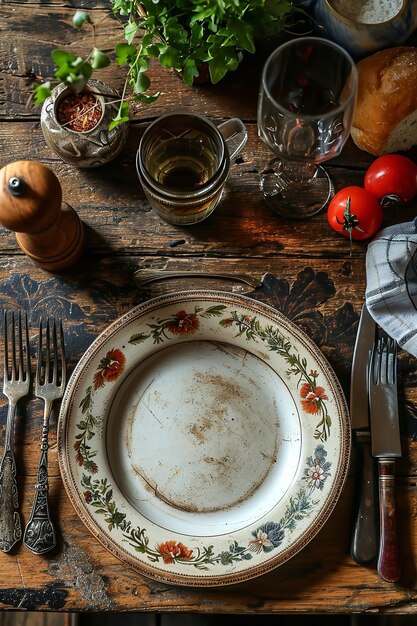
[40,536]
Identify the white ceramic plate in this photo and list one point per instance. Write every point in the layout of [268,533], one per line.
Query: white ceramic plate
[203,438]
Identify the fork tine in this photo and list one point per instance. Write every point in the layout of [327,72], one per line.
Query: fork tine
[27,362]
[392,361]
[16,346]
[48,351]
[39,360]
[23,340]
[62,352]
[386,367]
[55,351]
[51,367]
[13,342]
[6,347]
[20,340]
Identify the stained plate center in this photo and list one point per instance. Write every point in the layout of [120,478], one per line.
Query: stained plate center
[203,438]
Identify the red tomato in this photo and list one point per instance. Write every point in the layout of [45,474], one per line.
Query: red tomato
[392,175]
[359,221]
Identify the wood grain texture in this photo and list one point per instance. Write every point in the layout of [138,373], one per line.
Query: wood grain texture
[312,278]
[80,574]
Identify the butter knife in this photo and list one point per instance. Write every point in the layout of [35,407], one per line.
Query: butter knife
[145,276]
[386,446]
[364,542]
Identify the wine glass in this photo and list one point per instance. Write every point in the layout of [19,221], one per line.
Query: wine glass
[305,111]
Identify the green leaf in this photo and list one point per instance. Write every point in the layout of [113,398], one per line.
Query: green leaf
[77,82]
[146,40]
[78,64]
[124,7]
[131,28]
[62,58]
[170,58]
[42,92]
[153,50]
[190,72]
[141,65]
[142,97]
[121,117]
[80,18]
[217,69]
[243,35]
[124,52]
[141,84]
[201,15]
[99,59]
[197,32]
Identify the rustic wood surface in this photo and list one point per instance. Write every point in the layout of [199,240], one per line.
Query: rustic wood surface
[124,235]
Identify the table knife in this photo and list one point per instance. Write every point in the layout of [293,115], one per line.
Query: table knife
[364,544]
[386,446]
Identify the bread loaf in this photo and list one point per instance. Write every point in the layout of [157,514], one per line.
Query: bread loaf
[385,117]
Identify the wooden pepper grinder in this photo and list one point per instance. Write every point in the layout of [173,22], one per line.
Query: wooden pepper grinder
[48,230]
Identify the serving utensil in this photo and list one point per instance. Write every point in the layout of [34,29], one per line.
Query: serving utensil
[146,276]
[364,544]
[386,446]
[40,536]
[16,383]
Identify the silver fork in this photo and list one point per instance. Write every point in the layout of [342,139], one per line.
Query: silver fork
[16,383]
[40,536]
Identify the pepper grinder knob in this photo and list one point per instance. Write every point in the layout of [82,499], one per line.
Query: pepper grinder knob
[48,230]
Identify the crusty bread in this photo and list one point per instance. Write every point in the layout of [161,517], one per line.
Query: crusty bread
[385,117]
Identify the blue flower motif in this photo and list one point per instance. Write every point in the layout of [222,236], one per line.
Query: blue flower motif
[266,537]
[317,470]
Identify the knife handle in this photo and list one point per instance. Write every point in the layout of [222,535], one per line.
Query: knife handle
[389,554]
[364,545]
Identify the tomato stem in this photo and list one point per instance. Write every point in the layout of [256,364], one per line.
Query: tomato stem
[350,221]
[390,201]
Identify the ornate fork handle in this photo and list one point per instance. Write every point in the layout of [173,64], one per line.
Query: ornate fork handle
[40,534]
[10,524]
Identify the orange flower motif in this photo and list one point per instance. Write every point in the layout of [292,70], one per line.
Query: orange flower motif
[109,368]
[78,456]
[171,551]
[311,399]
[183,323]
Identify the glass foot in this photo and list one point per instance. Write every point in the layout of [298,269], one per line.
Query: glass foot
[296,200]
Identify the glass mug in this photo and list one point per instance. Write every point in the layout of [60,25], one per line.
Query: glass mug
[183,161]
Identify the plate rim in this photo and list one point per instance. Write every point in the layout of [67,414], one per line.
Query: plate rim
[114,547]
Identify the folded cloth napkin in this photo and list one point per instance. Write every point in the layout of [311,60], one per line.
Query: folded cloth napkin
[391,283]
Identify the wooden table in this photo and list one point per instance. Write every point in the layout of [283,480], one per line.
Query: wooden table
[313,279]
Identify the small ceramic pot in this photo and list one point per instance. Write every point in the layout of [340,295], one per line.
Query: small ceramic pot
[91,148]
[363,27]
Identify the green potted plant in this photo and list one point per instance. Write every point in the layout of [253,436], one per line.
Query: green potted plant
[83,120]
[200,39]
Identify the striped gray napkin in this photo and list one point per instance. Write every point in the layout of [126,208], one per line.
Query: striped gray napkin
[391,283]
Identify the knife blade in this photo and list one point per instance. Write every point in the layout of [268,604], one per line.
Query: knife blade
[386,447]
[364,543]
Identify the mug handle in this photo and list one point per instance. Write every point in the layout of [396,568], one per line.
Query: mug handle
[235,135]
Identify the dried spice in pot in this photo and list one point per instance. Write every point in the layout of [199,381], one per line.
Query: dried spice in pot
[79,112]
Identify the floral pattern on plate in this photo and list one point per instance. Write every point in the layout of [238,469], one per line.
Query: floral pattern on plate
[228,557]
